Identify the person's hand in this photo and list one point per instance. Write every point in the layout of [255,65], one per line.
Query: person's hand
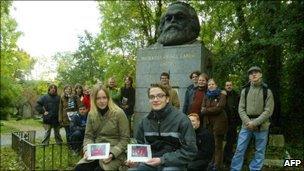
[154,162]
[108,160]
[130,163]
[46,113]
[249,125]
[85,154]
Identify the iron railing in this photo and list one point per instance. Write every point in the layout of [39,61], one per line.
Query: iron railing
[41,156]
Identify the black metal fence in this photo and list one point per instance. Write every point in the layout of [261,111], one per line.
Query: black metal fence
[40,156]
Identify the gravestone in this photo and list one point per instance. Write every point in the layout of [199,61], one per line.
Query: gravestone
[26,110]
[179,61]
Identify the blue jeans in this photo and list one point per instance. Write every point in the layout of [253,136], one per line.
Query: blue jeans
[256,163]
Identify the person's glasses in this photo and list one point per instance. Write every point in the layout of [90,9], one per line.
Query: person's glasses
[157,96]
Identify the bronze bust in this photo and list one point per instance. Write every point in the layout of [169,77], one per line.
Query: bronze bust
[178,25]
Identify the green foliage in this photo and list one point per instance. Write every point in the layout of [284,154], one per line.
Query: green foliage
[265,33]
[15,63]
[40,87]
[127,25]
[91,63]
[118,67]
[81,66]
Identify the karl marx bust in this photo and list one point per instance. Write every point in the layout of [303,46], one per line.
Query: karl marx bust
[178,25]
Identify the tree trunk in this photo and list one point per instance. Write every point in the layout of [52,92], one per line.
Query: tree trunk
[273,63]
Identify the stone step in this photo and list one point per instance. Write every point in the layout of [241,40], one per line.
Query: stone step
[273,162]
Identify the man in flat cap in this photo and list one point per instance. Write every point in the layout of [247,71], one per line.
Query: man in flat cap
[255,108]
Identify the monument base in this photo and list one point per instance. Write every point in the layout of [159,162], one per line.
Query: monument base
[178,61]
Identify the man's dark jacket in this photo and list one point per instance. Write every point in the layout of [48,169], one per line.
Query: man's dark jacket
[188,98]
[171,136]
[49,103]
[231,108]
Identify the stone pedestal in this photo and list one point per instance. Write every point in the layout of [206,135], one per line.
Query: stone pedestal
[276,152]
[178,61]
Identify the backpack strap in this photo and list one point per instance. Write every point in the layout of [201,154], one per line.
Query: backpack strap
[246,93]
[265,93]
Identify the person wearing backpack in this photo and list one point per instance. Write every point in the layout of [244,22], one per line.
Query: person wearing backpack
[255,109]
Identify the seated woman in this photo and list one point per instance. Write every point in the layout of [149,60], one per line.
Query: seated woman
[205,145]
[215,120]
[106,123]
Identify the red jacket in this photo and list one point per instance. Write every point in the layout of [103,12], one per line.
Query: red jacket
[86,101]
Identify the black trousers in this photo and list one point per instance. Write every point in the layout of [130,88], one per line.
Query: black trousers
[92,166]
[231,139]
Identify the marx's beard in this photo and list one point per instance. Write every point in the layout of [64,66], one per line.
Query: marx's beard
[176,35]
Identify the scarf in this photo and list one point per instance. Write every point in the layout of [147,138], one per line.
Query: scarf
[103,111]
[213,94]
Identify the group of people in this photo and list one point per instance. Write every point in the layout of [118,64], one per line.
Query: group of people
[70,110]
[187,138]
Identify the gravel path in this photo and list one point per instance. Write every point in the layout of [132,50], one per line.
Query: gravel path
[6,139]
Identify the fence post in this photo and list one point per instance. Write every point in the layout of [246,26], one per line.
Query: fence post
[33,157]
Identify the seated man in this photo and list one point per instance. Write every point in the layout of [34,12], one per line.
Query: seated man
[205,145]
[77,126]
[168,131]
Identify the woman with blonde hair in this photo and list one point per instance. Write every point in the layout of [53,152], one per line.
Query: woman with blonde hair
[106,123]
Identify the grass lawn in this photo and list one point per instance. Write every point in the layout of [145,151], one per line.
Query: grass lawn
[9,160]
[62,158]
[13,125]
